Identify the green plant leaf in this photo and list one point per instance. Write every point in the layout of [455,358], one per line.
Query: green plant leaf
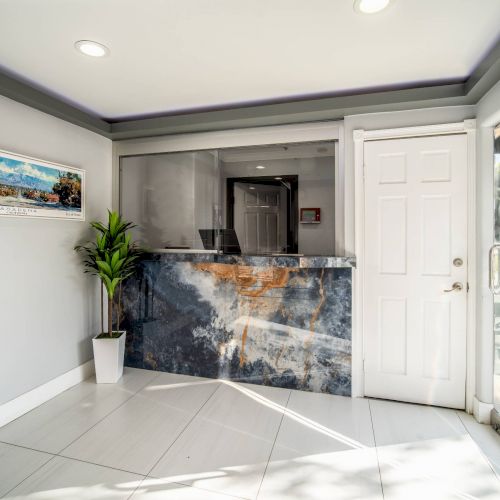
[114,220]
[118,266]
[108,284]
[101,242]
[105,267]
[114,259]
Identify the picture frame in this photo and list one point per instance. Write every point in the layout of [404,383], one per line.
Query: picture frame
[35,188]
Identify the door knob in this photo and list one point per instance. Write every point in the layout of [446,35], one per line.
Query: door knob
[456,287]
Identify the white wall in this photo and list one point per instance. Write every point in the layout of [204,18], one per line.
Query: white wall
[49,309]
[316,190]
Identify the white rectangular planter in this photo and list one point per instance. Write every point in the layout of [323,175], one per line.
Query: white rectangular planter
[109,354]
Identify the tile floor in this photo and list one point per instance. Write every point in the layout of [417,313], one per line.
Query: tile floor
[172,437]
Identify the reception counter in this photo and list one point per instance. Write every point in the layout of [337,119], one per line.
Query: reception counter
[281,320]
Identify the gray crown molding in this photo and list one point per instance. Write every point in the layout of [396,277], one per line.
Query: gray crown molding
[26,94]
[486,74]
[469,92]
[331,108]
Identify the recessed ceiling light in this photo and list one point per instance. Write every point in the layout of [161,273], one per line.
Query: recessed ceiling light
[370,6]
[260,167]
[90,48]
[278,178]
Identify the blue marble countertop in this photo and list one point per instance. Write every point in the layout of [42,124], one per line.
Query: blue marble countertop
[293,261]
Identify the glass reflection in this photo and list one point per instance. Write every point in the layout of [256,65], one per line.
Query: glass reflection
[169,197]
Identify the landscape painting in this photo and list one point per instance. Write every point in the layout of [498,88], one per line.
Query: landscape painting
[35,188]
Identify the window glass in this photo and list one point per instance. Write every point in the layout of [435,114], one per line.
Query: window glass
[281,198]
[170,197]
[265,200]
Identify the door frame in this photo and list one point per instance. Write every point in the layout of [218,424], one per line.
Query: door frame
[360,136]
[292,233]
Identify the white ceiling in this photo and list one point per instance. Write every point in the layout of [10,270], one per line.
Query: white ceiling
[173,55]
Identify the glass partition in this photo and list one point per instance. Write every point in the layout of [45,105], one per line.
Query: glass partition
[265,200]
[170,197]
[281,199]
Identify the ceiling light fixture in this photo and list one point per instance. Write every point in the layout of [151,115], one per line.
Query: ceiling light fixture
[92,49]
[260,167]
[278,178]
[370,6]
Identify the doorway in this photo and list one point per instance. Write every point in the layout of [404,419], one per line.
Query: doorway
[263,211]
[415,269]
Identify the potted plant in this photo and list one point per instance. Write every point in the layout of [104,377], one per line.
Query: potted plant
[113,258]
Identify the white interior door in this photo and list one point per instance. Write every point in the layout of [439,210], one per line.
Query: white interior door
[416,252]
[260,217]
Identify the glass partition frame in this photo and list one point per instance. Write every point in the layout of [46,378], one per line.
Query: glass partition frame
[255,136]
[495,270]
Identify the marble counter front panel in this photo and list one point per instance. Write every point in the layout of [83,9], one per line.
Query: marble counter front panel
[280,326]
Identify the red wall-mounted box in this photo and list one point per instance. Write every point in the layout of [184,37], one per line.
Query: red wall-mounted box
[310,215]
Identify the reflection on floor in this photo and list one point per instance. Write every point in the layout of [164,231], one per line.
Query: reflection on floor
[163,436]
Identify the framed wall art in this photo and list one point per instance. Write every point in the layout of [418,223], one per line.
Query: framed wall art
[35,188]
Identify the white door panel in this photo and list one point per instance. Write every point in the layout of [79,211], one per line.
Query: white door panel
[260,217]
[415,226]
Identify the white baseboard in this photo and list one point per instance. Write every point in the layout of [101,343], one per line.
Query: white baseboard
[26,402]
[482,411]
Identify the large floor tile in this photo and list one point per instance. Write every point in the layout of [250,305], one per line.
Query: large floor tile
[134,379]
[324,450]
[226,447]
[55,424]
[136,435]
[64,479]
[340,475]
[485,437]
[437,469]
[316,423]
[156,489]
[16,464]
[395,423]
